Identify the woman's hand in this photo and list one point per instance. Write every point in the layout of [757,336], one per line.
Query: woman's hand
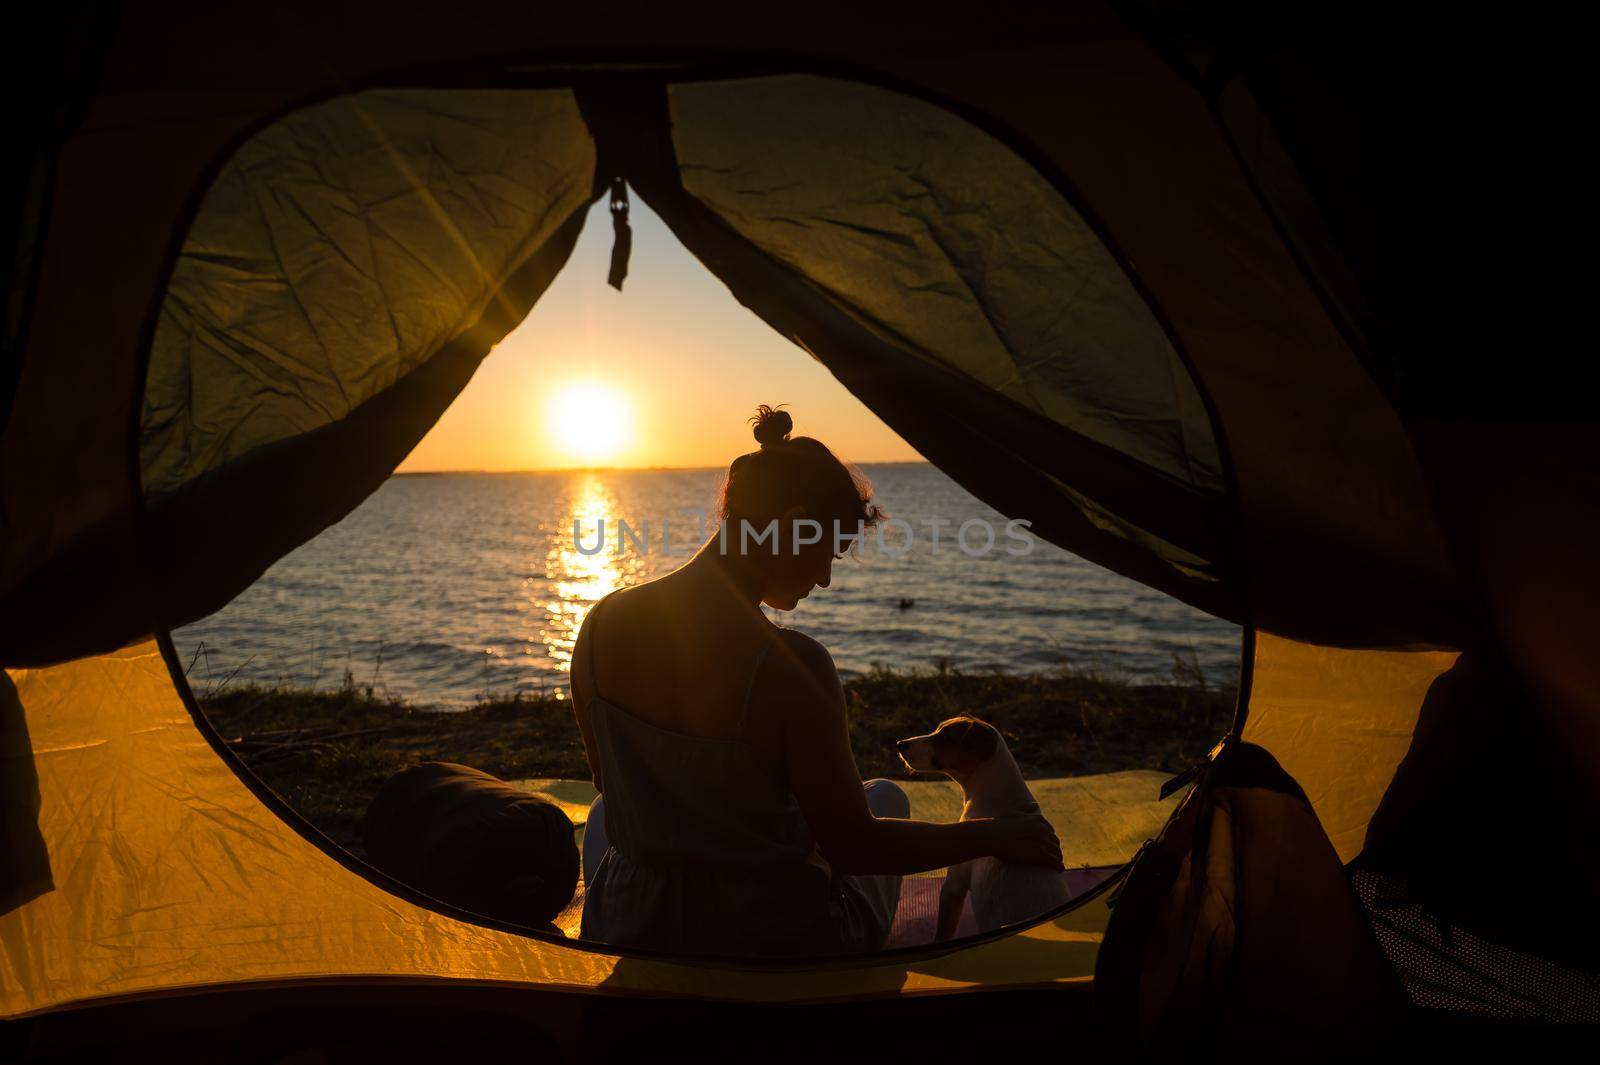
[1027,839]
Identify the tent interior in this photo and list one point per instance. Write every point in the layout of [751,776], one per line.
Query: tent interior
[1130,322]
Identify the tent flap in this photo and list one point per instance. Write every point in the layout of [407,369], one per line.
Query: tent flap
[341,247]
[928,230]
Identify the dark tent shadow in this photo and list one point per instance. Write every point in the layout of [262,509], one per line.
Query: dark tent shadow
[24,858]
[1484,835]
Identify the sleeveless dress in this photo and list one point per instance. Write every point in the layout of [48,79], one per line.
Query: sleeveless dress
[708,852]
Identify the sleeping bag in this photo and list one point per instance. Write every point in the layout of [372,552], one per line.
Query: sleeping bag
[472,840]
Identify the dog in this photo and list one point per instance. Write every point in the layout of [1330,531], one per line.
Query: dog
[973,754]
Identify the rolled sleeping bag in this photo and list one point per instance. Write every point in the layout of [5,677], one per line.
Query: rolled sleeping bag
[474,841]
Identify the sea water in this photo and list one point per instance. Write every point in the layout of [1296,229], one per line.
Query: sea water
[444,588]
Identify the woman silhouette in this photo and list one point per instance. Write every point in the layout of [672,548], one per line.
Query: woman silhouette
[732,820]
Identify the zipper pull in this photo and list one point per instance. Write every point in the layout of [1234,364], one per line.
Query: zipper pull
[1199,767]
[621,234]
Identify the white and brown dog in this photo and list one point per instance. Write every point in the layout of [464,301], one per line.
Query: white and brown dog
[975,756]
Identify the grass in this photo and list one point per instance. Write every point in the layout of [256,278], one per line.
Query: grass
[328,752]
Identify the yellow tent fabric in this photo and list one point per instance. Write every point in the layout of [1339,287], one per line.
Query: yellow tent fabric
[170,875]
[1339,721]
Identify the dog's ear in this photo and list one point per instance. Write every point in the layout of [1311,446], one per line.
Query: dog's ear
[979,740]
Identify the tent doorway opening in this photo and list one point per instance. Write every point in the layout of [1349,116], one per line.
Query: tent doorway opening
[435,622]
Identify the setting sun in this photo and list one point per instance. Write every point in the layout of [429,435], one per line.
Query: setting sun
[589,421]
[677,357]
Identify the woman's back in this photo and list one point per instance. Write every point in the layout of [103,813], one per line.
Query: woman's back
[676,732]
[681,653]
[707,850]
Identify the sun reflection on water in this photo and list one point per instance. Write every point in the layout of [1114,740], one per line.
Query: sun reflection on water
[577,580]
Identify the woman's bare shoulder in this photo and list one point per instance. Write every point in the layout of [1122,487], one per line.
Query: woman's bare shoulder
[799,658]
[582,643]
[613,602]
[634,600]
[801,648]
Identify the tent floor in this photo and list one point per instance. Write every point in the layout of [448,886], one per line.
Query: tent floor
[330,1023]
[455,1022]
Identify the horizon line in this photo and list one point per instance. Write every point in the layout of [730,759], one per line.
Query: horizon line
[620,469]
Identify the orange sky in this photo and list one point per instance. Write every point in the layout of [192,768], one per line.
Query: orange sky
[686,362]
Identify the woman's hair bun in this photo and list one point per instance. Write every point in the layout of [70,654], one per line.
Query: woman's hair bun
[773,426]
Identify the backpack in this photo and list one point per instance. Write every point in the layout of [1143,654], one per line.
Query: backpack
[1239,922]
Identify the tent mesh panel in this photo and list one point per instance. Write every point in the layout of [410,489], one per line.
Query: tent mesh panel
[1444,966]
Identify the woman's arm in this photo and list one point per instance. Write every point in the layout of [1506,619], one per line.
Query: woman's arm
[804,687]
[582,692]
